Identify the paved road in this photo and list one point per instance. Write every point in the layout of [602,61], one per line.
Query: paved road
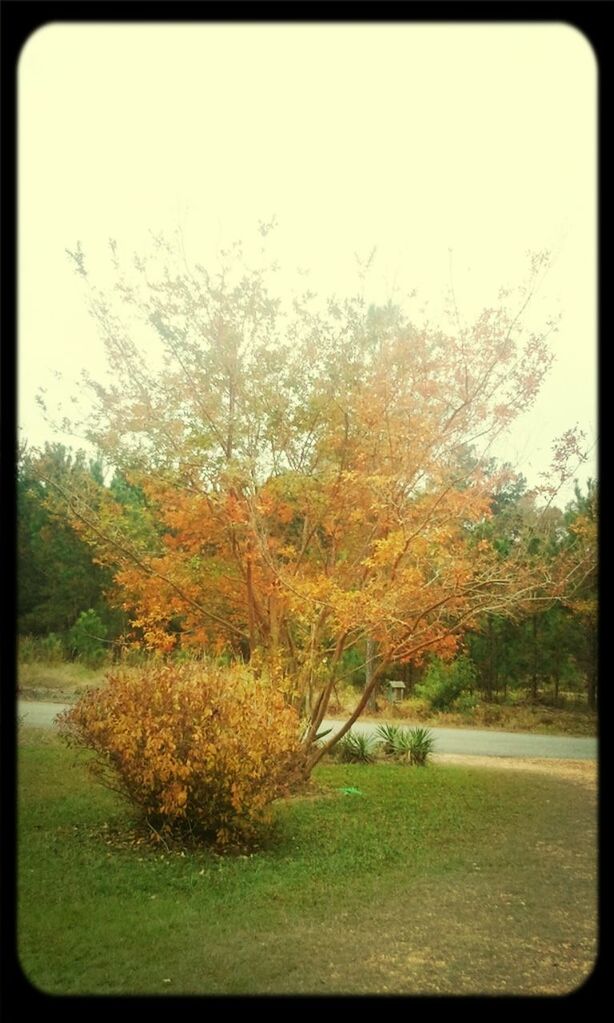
[468,741]
[489,743]
[39,713]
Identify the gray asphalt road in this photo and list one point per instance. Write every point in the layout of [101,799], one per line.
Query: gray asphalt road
[39,714]
[468,741]
[489,743]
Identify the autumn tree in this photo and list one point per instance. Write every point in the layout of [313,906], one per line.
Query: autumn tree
[304,470]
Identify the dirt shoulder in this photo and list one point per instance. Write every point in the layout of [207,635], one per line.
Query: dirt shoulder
[582,771]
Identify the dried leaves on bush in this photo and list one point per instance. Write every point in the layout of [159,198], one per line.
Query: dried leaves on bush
[197,749]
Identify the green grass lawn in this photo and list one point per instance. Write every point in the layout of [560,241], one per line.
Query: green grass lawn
[435,880]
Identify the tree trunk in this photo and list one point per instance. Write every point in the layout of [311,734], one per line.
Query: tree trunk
[250,600]
[535,653]
[308,704]
[491,661]
[322,702]
[232,383]
[369,672]
[557,680]
[408,676]
[313,757]
[591,690]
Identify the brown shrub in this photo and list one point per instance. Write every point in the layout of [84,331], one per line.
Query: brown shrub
[413,708]
[197,749]
[488,714]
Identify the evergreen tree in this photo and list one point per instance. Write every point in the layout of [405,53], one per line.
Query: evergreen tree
[57,577]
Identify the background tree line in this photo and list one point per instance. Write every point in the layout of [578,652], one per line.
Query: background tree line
[69,607]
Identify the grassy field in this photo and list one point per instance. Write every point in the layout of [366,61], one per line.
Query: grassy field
[440,880]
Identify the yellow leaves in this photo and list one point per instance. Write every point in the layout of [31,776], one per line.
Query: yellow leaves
[387,549]
[318,588]
[273,507]
[355,516]
[236,510]
[411,578]
[158,639]
[287,551]
[179,796]
[192,743]
[585,608]
[584,528]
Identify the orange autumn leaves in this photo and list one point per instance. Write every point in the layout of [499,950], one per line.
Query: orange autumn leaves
[196,749]
[313,477]
[348,546]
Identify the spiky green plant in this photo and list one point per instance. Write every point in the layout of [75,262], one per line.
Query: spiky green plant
[420,744]
[388,736]
[413,746]
[357,748]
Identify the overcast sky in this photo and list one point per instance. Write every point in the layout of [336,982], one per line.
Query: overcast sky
[453,149]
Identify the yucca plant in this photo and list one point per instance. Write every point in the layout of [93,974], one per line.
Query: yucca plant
[357,748]
[421,743]
[388,736]
[415,745]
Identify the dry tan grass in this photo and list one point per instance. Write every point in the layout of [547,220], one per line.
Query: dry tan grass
[57,682]
[582,771]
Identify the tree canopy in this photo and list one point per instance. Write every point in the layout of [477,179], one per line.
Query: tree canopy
[306,477]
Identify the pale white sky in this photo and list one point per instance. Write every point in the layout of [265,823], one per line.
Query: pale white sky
[413,138]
